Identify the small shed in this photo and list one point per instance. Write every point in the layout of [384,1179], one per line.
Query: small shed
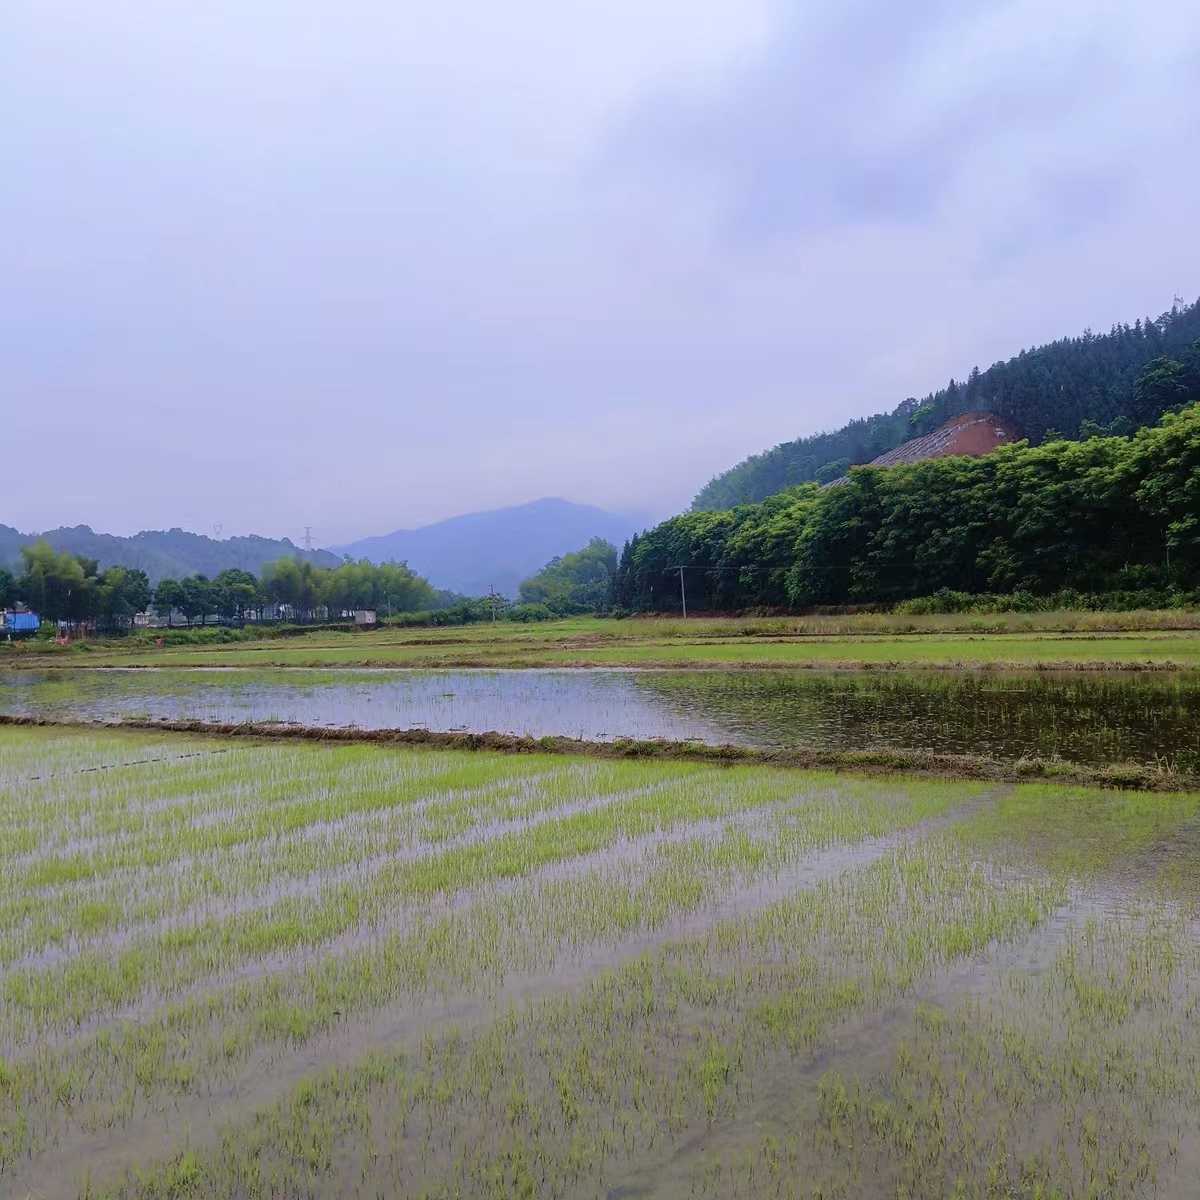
[21,622]
[364,616]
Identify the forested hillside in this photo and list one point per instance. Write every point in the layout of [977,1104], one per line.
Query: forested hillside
[1073,388]
[1109,514]
[162,554]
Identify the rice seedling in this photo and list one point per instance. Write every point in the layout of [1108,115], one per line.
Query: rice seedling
[281,968]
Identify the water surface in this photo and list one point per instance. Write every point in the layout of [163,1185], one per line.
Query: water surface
[1094,718]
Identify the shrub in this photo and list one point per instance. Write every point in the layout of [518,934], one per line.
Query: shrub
[528,613]
[944,601]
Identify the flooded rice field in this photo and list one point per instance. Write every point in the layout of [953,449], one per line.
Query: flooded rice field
[236,969]
[1093,718]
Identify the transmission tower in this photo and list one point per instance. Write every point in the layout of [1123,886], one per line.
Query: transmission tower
[308,539]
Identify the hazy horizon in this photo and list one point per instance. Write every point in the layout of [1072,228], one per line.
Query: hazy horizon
[365,267]
[219,533]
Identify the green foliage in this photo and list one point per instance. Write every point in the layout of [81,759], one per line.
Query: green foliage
[945,602]
[235,593]
[162,554]
[214,635]
[169,596]
[62,587]
[459,611]
[1113,382]
[198,598]
[1107,515]
[575,583]
[121,593]
[528,614]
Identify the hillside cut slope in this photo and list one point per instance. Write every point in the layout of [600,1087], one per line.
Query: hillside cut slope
[971,435]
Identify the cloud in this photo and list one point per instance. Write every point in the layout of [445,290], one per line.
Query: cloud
[872,112]
[368,264]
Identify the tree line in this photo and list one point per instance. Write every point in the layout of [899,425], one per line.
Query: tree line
[573,584]
[302,590]
[162,554]
[1075,388]
[64,587]
[67,588]
[1108,514]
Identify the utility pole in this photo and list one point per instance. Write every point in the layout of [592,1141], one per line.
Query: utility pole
[492,598]
[683,593]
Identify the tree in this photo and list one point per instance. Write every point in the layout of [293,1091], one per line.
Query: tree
[8,587]
[575,583]
[197,598]
[402,590]
[58,586]
[169,596]
[1166,385]
[234,592]
[121,593]
[281,580]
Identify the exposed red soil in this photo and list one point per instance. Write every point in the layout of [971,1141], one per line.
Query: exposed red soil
[972,434]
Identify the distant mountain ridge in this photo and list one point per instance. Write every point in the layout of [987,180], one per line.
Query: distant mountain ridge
[162,554]
[498,548]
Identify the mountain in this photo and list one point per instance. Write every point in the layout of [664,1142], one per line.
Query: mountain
[499,548]
[1075,387]
[169,554]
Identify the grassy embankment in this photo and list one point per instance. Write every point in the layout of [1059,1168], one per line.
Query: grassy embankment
[236,968]
[1072,640]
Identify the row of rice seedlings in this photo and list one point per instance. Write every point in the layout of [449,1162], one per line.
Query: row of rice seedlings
[1083,1080]
[102,981]
[51,783]
[216,851]
[161,959]
[257,795]
[187,1047]
[581,1094]
[1134,839]
[98,900]
[263,784]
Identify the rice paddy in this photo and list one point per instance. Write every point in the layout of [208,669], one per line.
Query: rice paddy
[1168,640]
[245,968]
[1095,718]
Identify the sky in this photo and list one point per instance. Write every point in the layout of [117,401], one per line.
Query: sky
[366,264]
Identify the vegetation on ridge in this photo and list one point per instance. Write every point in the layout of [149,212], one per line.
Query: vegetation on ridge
[1110,514]
[1074,388]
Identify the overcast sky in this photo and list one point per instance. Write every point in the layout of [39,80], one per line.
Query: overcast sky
[366,264]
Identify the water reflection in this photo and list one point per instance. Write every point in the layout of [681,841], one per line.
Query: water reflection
[1085,718]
